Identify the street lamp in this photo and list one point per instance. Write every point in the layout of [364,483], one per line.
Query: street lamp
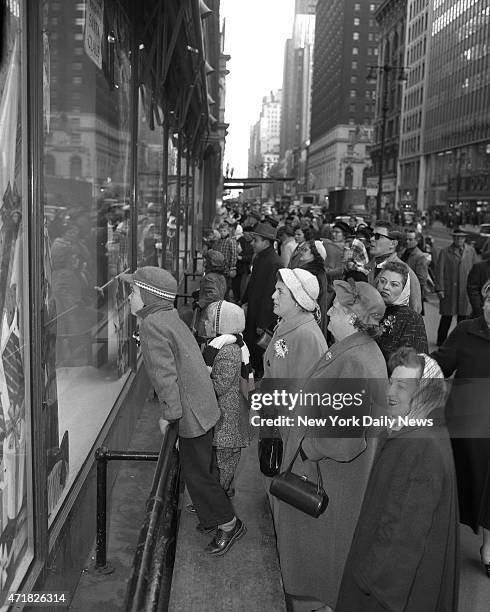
[372,76]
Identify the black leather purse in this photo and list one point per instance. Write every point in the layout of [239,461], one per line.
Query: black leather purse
[300,492]
[270,456]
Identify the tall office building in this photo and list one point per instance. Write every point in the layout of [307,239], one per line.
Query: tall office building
[411,176]
[457,121]
[342,101]
[391,17]
[295,112]
[264,137]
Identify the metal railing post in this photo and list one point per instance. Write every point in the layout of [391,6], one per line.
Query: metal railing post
[101,542]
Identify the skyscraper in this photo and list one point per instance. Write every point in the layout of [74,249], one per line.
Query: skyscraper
[295,112]
[342,102]
[457,121]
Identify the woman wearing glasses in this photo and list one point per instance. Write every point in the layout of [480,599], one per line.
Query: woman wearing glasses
[402,326]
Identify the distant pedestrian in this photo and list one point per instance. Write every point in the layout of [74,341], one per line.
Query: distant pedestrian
[453,266]
[260,317]
[418,262]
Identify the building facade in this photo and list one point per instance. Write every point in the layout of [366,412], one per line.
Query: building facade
[342,100]
[391,73]
[263,152]
[457,121]
[104,166]
[411,177]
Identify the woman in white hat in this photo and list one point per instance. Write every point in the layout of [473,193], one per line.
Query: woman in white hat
[297,341]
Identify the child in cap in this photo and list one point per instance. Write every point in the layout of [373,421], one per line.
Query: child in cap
[181,380]
[228,360]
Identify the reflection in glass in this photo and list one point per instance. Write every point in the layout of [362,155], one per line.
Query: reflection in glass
[86,207]
[14,494]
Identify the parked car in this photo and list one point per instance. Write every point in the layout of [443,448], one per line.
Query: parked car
[478,239]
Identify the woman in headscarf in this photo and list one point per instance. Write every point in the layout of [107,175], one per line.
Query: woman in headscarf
[401,325]
[404,553]
[312,552]
[228,360]
[312,258]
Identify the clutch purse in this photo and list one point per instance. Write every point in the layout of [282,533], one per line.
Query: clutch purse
[299,492]
[264,340]
[270,456]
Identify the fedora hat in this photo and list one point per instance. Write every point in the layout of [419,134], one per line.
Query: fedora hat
[457,231]
[265,230]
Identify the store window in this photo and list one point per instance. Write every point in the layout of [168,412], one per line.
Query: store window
[87,195]
[151,183]
[16,487]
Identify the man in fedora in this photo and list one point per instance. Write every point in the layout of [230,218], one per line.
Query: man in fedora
[452,268]
[186,394]
[258,295]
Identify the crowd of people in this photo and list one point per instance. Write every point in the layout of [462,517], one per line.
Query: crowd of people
[292,296]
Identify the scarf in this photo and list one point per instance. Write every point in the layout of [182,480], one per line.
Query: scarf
[212,348]
[430,395]
[404,297]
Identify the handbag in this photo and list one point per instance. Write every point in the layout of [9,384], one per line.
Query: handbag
[270,456]
[299,492]
[264,340]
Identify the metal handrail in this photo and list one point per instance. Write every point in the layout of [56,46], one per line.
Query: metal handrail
[151,575]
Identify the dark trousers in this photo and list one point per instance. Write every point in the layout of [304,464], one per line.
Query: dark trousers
[201,477]
[444,325]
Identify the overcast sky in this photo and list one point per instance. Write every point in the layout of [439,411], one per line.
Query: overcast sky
[256,32]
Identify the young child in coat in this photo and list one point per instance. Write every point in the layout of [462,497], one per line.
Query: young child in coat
[186,395]
[228,360]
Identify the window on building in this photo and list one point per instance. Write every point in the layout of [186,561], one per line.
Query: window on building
[355,51]
[354,65]
[357,7]
[352,108]
[352,93]
[353,79]
[372,8]
[355,36]
[357,21]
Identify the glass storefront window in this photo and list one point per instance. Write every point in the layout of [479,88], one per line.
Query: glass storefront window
[16,543]
[150,197]
[86,206]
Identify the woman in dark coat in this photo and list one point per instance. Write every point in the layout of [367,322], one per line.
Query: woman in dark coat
[312,258]
[466,354]
[404,553]
[402,325]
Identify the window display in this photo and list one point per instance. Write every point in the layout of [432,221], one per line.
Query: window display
[87,195]
[15,495]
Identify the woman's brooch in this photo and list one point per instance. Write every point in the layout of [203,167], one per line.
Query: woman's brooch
[388,324]
[281,348]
